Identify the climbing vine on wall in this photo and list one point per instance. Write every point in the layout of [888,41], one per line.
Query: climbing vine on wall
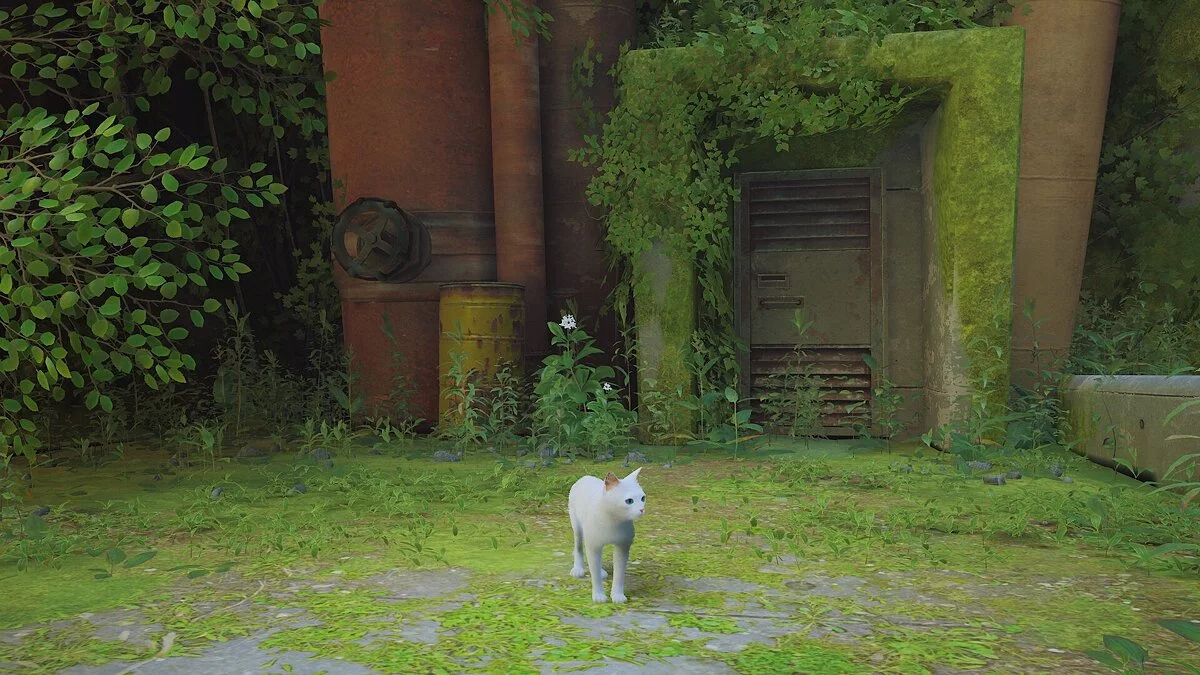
[756,70]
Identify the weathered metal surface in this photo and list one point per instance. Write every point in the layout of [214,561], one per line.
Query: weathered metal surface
[811,241]
[412,311]
[575,264]
[490,318]
[1069,46]
[517,171]
[430,153]
[374,239]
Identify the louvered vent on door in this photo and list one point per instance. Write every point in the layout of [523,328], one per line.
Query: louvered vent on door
[810,214]
[845,380]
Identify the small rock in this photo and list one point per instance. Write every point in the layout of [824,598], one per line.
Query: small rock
[907,468]
[979,466]
[604,457]
[491,449]
[300,488]
[320,454]
[156,477]
[1068,479]
[546,463]
[994,480]
[521,452]
[216,493]
[28,477]
[325,463]
[1013,475]
[666,465]
[567,460]
[446,456]
[251,451]
[546,452]
[530,464]
[1056,470]
[41,511]
[635,457]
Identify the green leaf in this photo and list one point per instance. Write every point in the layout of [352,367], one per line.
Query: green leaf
[115,236]
[68,300]
[111,306]
[149,193]
[114,556]
[1185,629]
[731,395]
[1131,651]
[139,559]
[169,182]
[174,229]
[211,305]
[130,217]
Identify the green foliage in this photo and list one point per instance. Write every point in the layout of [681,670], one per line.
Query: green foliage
[1133,335]
[735,431]
[577,408]
[794,400]
[462,421]
[1142,224]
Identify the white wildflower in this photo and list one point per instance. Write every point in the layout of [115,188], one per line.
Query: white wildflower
[568,322]
[608,387]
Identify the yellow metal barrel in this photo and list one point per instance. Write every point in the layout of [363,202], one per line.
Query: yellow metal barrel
[484,322]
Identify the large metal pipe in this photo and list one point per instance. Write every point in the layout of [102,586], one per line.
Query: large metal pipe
[409,121]
[1069,46]
[517,173]
[575,264]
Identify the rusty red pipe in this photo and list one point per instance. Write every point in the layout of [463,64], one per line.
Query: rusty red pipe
[517,172]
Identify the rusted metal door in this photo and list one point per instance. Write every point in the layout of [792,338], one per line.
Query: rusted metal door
[811,240]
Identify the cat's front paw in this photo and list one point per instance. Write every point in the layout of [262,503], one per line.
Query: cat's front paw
[599,597]
[603,574]
[619,598]
[578,572]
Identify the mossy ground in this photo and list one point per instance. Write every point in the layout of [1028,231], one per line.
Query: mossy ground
[826,560]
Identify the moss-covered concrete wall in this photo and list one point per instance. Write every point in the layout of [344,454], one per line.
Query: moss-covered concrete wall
[665,301]
[976,75]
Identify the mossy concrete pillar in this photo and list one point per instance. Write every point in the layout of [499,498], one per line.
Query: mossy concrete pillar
[665,306]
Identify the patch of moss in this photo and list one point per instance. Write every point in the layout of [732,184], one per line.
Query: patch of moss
[975,174]
[665,302]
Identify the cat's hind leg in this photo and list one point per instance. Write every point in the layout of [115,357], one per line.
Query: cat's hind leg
[577,570]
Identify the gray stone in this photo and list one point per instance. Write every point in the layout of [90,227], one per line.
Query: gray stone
[668,666]
[419,584]
[994,480]
[1013,475]
[251,451]
[235,657]
[320,454]
[216,493]
[979,466]
[1068,479]
[446,456]
[300,488]
[635,457]
[40,511]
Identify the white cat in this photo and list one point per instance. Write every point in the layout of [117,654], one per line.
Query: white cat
[602,513]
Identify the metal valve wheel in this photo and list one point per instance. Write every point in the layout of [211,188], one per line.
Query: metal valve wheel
[377,240]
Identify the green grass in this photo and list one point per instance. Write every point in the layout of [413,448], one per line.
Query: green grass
[941,569]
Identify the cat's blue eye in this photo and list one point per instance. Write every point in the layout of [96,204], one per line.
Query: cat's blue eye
[629,501]
[643,497]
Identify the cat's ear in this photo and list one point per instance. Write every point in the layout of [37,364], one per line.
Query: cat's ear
[634,475]
[611,481]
